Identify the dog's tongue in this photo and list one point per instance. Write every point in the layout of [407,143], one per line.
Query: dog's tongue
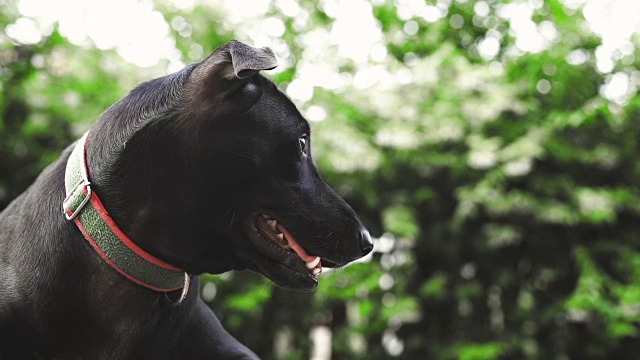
[308,259]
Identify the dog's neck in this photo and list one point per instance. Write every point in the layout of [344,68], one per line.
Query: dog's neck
[146,103]
[84,207]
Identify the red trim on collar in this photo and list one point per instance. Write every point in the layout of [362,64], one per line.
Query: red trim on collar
[97,204]
[112,264]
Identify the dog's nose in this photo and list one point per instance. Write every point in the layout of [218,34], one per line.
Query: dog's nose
[366,245]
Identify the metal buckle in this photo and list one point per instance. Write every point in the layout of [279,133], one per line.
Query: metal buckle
[84,184]
[183,294]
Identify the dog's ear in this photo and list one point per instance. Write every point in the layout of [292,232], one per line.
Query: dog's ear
[216,82]
[247,60]
[231,63]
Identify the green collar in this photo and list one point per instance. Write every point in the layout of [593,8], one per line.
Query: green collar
[83,206]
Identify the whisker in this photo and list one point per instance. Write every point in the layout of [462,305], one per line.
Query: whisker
[242,155]
[301,214]
[223,216]
[232,218]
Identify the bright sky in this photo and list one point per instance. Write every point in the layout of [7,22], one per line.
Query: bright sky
[140,34]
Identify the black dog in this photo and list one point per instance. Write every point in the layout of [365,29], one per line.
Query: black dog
[205,170]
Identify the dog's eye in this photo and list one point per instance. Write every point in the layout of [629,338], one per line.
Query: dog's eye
[303,143]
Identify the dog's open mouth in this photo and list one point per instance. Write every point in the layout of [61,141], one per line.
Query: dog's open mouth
[282,258]
[271,229]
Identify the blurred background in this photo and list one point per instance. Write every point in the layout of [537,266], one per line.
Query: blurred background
[492,148]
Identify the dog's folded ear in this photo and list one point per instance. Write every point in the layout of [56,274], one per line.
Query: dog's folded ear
[235,60]
[229,68]
[247,60]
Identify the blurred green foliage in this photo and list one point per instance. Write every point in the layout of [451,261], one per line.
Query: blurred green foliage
[502,190]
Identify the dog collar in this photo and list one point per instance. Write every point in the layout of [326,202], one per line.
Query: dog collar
[83,206]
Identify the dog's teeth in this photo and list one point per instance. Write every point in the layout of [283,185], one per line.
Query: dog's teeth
[317,271]
[272,223]
[280,236]
[312,264]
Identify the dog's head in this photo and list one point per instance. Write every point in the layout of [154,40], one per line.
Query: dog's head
[211,169]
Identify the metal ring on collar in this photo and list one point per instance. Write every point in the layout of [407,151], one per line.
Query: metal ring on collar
[183,294]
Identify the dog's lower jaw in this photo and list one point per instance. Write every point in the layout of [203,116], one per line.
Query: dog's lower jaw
[283,276]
